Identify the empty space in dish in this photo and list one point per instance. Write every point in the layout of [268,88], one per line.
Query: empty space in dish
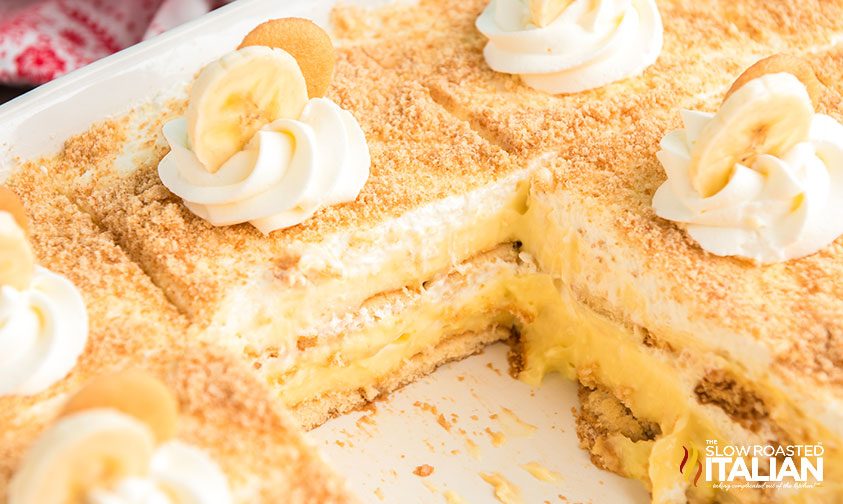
[466,420]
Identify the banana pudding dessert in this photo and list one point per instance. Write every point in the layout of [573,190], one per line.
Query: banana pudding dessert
[641,195]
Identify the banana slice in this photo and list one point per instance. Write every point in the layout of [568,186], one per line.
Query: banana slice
[17,261]
[84,451]
[134,393]
[544,12]
[767,115]
[236,95]
[305,41]
[782,63]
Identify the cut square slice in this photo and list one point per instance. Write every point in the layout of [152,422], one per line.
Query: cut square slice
[225,410]
[438,194]
[127,315]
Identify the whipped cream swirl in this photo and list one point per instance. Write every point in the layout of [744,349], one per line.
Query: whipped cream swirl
[178,474]
[779,208]
[288,171]
[66,464]
[43,330]
[592,43]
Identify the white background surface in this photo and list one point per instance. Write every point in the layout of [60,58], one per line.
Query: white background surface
[379,450]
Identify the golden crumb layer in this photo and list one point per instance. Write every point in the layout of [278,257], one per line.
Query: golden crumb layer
[419,22]
[704,45]
[829,68]
[783,24]
[420,155]
[127,314]
[225,410]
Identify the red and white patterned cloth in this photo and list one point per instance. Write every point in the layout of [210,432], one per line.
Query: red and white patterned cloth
[42,39]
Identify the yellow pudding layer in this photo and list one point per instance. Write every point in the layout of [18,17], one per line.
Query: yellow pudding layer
[561,333]
[571,242]
[418,331]
[568,337]
[337,277]
[473,300]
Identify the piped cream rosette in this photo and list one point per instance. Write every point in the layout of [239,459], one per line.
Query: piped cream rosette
[113,445]
[763,177]
[258,143]
[43,321]
[568,46]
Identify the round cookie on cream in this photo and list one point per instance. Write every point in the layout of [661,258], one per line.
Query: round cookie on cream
[43,321]
[762,178]
[568,46]
[109,448]
[259,143]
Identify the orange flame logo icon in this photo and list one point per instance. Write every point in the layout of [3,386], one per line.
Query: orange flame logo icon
[690,459]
